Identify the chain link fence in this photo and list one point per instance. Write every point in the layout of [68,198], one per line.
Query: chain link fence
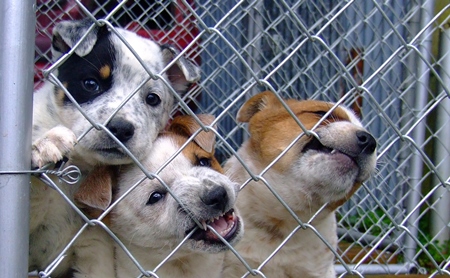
[388,60]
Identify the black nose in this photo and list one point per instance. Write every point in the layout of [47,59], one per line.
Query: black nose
[122,129]
[366,142]
[216,198]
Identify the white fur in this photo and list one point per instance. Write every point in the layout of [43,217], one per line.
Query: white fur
[53,223]
[151,232]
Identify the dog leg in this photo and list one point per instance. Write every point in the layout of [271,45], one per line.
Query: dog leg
[94,254]
[52,147]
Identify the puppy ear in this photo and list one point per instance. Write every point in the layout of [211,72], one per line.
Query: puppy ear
[255,104]
[183,72]
[95,192]
[67,33]
[186,126]
[206,140]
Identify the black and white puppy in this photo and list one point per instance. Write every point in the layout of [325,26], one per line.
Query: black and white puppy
[113,87]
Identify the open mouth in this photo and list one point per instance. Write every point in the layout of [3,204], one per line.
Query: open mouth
[315,145]
[225,225]
[340,156]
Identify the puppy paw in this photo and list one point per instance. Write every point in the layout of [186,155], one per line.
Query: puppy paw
[52,146]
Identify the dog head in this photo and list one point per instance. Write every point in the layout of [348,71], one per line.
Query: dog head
[105,77]
[188,191]
[315,170]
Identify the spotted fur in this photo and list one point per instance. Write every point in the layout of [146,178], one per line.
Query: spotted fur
[102,76]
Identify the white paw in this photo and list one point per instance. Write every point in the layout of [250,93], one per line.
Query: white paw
[53,146]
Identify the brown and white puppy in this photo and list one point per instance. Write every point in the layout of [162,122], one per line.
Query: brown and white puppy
[189,196]
[315,171]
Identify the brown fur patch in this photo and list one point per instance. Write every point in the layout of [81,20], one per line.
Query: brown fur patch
[273,128]
[95,191]
[193,152]
[202,145]
[105,72]
[59,94]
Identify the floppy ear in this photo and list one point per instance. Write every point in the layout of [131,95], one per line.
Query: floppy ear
[255,104]
[95,192]
[67,33]
[183,72]
[186,126]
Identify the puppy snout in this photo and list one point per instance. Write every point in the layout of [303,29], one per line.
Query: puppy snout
[366,142]
[122,129]
[216,198]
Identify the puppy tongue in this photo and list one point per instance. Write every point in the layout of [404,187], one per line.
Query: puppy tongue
[219,225]
[225,226]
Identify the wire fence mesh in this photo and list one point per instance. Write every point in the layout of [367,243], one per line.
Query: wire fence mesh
[385,59]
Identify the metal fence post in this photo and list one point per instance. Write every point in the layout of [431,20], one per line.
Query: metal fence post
[17,21]
[420,101]
[440,218]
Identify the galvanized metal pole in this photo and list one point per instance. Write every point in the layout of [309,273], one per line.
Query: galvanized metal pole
[421,99]
[17,25]
[440,218]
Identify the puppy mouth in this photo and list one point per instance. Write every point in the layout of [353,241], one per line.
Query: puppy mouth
[315,145]
[225,225]
[111,152]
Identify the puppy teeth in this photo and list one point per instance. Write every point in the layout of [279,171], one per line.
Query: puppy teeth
[333,151]
[204,225]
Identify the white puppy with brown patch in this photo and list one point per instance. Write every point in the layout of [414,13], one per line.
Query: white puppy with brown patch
[315,172]
[190,196]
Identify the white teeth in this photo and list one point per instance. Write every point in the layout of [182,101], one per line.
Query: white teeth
[333,151]
[227,230]
[211,220]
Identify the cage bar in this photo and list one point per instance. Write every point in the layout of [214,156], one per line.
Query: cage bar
[16,87]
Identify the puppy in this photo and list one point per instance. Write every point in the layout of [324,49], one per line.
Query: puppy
[151,222]
[188,197]
[323,170]
[113,88]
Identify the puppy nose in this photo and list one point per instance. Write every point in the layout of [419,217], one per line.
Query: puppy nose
[366,142]
[122,129]
[216,198]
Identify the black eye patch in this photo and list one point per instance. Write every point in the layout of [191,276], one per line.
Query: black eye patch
[90,76]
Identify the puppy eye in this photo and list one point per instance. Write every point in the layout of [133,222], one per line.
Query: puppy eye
[91,85]
[320,113]
[204,162]
[153,99]
[155,197]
